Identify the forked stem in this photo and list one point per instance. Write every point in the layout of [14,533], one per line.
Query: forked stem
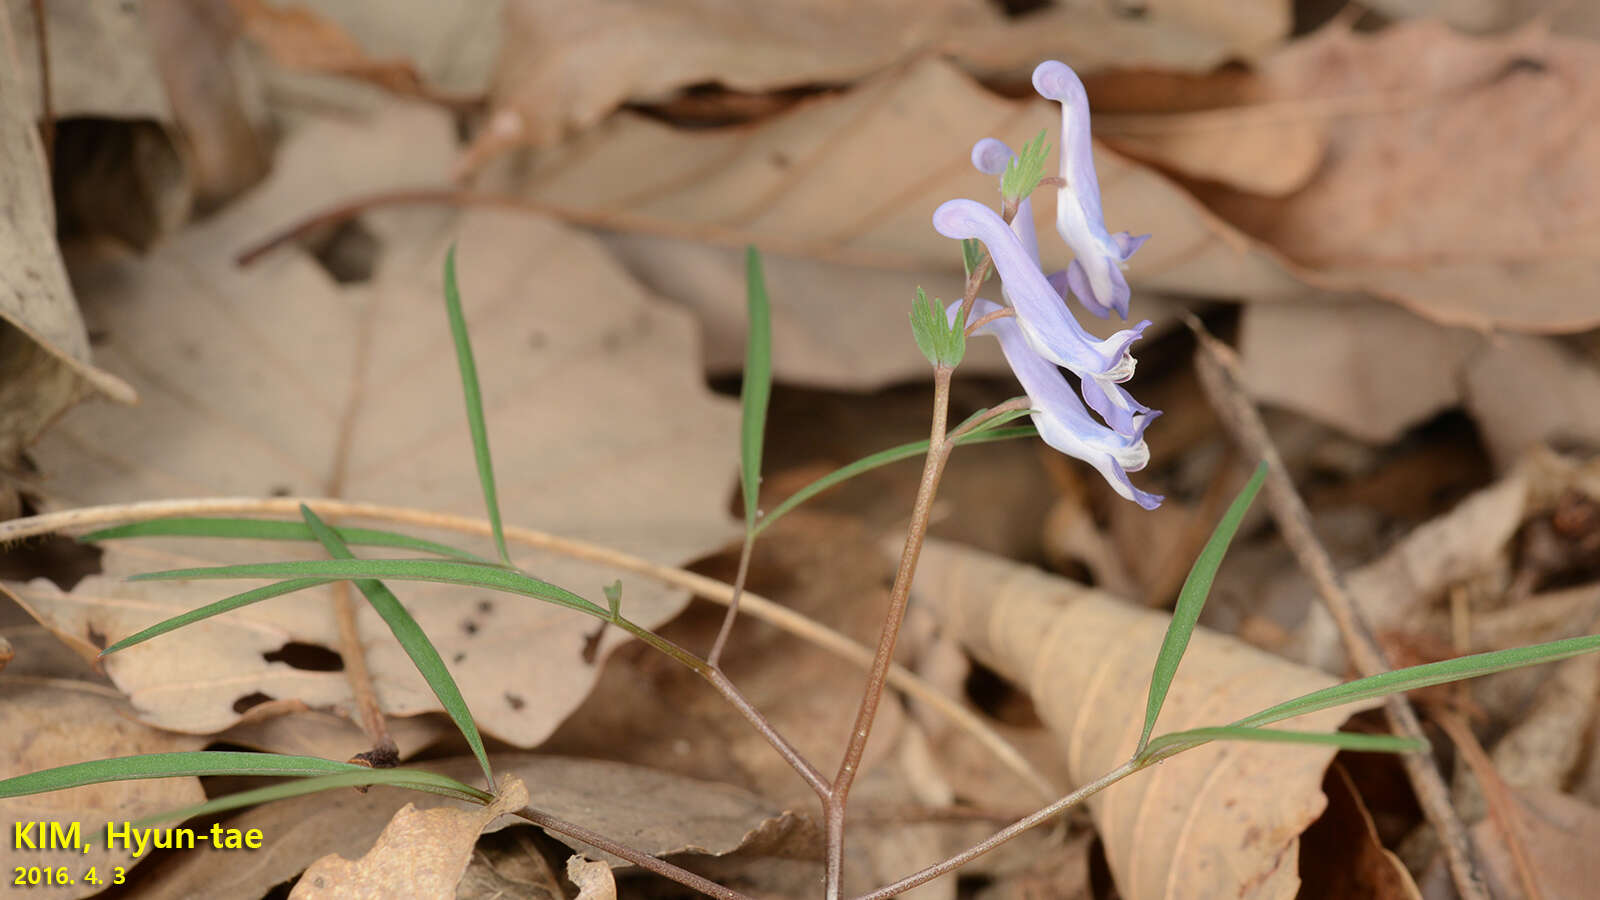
[899,597]
[637,857]
[714,658]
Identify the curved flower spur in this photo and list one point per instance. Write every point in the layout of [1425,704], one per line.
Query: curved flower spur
[1059,415]
[1095,274]
[1044,333]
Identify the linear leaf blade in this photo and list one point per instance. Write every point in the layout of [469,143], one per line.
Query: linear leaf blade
[169,765]
[1426,675]
[473,395]
[414,641]
[756,391]
[441,571]
[877,460]
[1177,741]
[1191,599]
[270,530]
[411,779]
[227,604]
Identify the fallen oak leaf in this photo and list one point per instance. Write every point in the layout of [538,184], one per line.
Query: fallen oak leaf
[1222,820]
[240,403]
[593,878]
[656,812]
[421,854]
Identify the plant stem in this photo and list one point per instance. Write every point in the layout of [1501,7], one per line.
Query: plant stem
[736,698]
[368,711]
[714,658]
[719,592]
[1220,378]
[1009,832]
[899,597]
[642,860]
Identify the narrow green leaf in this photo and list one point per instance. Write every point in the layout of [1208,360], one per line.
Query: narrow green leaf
[415,641]
[1022,175]
[1426,675]
[1191,600]
[1010,415]
[215,609]
[169,765]
[442,571]
[877,460]
[925,327]
[1178,741]
[972,254]
[270,530]
[757,386]
[411,779]
[474,401]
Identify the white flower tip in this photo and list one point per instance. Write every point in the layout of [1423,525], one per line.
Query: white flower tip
[958,218]
[991,156]
[1055,80]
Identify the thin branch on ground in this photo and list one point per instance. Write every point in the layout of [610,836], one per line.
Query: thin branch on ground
[717,591]
[642,860]
[1219,376]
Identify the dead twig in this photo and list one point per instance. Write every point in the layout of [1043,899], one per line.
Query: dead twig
[1219,376]
[606,220]
[1496,793]
[710,588]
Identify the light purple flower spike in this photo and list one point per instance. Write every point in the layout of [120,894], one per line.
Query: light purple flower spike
[1045,321]
[1060,417]
[1095,276]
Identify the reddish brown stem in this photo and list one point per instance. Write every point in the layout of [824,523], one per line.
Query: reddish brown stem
[642,860]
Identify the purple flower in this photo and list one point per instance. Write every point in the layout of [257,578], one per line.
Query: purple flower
[1060,417]
[1095,275]
[1045,322]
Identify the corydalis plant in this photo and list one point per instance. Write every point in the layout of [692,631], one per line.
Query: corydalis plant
[1044,334]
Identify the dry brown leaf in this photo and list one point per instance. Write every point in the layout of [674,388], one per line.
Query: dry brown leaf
[1542,749]
[1281,156]
[1373,371]
[1493,15]
[101,61]
[593,879]
[420,854]
[839,194]
[1559,834]
[1493,230]
[1220,821]
[43,344]
[510,864]
[297,37]
[315,733]
[652,811]
[1366,368]
[452,46]
[48,719]
[1342,857]
[566,67]
[602,429]
[217,104]
[1396,591]
[822,566]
